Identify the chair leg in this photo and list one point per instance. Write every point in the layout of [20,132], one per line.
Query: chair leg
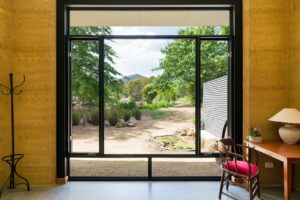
[250,189]
[258,187]
[221,185]
[227,182]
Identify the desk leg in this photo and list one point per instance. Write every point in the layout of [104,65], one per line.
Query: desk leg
[287,171]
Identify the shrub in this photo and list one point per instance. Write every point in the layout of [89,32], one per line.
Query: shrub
[76,117]
[113,117]
[130,105]
[137,114]
[94,116]
[189,100]
[106,113]
[167,94]
[160,104]
[126,115]
[149,93]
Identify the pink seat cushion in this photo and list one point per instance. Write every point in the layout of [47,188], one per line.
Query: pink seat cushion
[241,167]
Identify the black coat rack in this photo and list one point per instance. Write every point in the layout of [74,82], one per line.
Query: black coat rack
[13,159]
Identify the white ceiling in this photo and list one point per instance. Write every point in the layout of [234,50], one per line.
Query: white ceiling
[149,18]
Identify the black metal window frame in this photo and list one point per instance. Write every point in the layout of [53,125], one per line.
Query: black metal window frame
[63,78]
[101,40]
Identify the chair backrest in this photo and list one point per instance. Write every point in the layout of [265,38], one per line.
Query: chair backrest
[227,149]
[227,141]
[224,129]
[228,153]
[226,144]
[223,143]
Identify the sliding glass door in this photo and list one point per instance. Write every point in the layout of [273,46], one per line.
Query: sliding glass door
[164,103]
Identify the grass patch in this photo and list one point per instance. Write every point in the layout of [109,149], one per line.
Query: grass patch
[157,114]
[174,142]
[161,104]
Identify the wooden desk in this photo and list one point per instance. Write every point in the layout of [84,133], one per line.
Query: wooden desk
[287,153]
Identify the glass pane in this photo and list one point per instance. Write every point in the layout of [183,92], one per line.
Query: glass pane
[85,96]
[150,96]
[154,22]
[185,167]
[214,95]
[109,167]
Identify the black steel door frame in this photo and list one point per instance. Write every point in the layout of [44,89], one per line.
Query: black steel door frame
[63,80]
[101,154]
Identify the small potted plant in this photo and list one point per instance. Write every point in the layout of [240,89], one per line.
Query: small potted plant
[255,135]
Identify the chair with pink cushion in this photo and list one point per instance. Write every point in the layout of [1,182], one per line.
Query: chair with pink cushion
[234,163]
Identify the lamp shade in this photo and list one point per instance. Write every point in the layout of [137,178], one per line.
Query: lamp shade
[287,115]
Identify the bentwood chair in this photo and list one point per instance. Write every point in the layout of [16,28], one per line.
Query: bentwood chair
[236,164]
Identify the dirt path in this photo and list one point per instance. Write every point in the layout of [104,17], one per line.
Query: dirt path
[135,140]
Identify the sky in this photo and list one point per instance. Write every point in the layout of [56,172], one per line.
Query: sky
[136,56]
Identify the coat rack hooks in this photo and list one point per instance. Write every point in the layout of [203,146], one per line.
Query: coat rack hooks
[20,85]
[12,89]
[7,88]
[14,158]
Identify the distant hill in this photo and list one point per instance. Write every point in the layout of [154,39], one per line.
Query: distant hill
[132,77]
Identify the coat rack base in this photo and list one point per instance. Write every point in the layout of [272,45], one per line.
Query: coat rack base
[13,160]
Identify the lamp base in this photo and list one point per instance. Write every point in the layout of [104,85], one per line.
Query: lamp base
[289,134]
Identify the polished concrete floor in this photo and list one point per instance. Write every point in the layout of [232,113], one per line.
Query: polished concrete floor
[136,191]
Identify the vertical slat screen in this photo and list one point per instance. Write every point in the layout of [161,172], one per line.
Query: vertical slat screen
[215,105]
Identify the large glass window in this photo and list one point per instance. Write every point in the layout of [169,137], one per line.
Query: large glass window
[148,99]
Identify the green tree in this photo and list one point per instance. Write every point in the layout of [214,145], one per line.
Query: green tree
[85,67]
[149,93]
[178,65]
[167,94]
[134,88]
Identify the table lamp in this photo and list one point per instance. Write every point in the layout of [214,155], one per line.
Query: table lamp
[288,133]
